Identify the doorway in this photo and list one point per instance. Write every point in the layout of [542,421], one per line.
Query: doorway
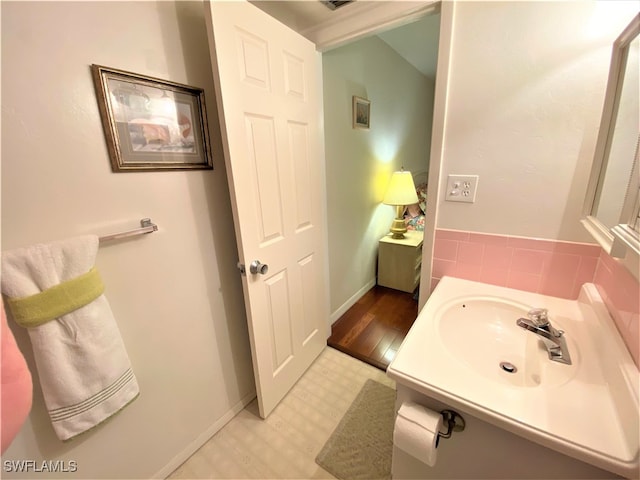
[330,31]
[395,71]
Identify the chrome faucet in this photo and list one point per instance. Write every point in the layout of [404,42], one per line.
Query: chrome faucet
[538,323]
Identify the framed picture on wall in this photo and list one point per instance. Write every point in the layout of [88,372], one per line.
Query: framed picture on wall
[151,124]
[361,112]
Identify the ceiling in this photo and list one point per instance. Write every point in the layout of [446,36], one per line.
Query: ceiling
[416,42]
[299,15]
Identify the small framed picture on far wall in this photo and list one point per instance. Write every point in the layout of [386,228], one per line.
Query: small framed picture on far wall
[361,112]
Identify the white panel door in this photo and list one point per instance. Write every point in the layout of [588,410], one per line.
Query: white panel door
[267,86]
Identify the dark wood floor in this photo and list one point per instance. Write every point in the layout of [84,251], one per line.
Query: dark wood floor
[374,327]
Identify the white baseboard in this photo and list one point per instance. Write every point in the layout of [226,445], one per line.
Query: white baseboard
[201,439]
[349,303]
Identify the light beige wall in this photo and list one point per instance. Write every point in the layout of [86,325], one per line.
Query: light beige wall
[176,294]
[525,97]
[359,163]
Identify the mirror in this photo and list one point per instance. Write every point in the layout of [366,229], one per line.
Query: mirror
[624,138]
[610,213]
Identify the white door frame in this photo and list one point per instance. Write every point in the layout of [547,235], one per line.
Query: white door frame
[364,20]
[367,18]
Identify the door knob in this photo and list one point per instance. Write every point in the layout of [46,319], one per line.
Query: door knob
[257,267]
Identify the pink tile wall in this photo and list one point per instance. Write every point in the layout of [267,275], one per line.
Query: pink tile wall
[620,292]
[544,266]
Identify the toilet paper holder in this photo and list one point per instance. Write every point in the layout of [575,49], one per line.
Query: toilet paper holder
[453,421]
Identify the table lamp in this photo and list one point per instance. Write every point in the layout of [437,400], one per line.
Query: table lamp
[400,193]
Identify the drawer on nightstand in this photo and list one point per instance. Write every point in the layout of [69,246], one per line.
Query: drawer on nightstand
[400,261]
[419,259]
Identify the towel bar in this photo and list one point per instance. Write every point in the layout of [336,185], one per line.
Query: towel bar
[146,226]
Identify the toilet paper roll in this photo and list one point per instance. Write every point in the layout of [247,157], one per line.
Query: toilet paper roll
[416,432]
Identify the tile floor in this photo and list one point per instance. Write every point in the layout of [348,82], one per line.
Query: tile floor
[284,446]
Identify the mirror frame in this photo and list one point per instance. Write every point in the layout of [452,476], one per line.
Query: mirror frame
[618,241]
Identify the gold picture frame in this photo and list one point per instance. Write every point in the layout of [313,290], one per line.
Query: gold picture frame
[151,124]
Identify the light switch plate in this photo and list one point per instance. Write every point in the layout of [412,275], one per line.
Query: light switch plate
[462,188]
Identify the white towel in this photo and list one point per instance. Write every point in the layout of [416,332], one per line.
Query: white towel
[83,367]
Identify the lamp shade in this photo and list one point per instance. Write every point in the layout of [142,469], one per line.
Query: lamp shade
[401,190]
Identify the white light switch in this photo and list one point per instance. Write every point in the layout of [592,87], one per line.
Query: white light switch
[462,188]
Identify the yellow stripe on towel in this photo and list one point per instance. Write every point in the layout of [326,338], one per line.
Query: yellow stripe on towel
[56,301]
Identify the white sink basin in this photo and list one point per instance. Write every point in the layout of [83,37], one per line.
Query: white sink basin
[588,410]
[481,332]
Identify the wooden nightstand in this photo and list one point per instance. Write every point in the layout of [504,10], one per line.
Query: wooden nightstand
[399,261]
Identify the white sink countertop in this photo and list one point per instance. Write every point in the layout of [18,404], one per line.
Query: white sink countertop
[587,410]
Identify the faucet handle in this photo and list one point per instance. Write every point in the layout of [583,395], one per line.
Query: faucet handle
[539,316]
